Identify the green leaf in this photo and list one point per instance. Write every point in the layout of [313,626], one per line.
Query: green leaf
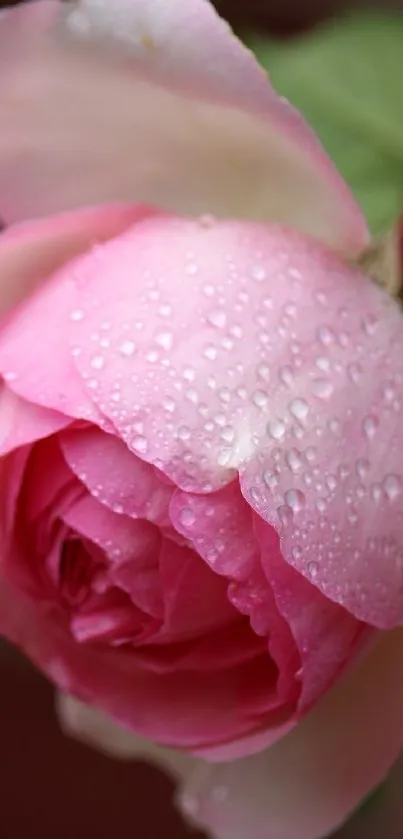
[347,80]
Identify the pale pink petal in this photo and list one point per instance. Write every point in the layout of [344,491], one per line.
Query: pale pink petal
[260,352]
[22,422]
[174,112]
[35,354]
[99,731]
[31,252]
[308,783]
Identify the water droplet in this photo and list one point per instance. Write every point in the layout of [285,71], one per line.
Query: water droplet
[270,479]
[97,362]
[355,372]
[224,457]
[370,324]
[325,335]
[217,318]
[369,426]
[313,569]
[286,375]
[362,467]
[77,315]
[331,482]
[296,553]
[227,434]
[227,343]
[187,517]
[323,363]
[169,405]
[322,388]
[344,339]
[127,348]
[192,395]
[376,492]
[392,486]
[299,408]
[165,310]
[164,340]
[183,432]
[236,331]
[285,514]
[321,505]
[139,444]
[191,269]
[310,454]
[388,393]
[294,460]
[276,429]
[263,372]
[258,273]
[189,374]
[295,499]
[260,398]
[210,352]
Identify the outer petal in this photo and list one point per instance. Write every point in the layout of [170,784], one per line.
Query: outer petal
[276,360]
[22,422]
[308,783]
[190,123]
[31,252]
[99,731]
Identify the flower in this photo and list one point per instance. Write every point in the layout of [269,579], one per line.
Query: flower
[202,481]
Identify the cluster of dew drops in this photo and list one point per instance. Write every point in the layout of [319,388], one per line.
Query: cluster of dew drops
[285,432]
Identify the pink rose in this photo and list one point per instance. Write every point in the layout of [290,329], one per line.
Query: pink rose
[201,457]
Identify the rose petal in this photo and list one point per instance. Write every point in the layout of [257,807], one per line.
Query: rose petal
[309,782]
[117,478]
[325,634]
[203,707]
[188,122]
[195,598]
[30,253]
[22,422]
[275,359]
[98,730]
[33,251]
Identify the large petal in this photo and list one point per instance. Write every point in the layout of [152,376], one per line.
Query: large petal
[176,113]
[308,783]
[32,252]
[275,359]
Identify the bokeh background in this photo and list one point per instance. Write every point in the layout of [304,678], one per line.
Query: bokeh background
[54,788]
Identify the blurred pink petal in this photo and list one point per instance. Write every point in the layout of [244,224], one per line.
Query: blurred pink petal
[99,731]
[157,102]
[308,783]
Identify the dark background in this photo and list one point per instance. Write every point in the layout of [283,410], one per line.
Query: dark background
[52,787]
